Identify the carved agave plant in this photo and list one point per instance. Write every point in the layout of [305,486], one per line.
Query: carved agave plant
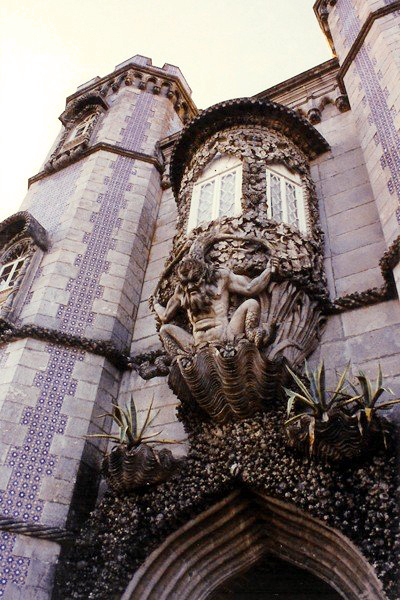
[133,463]
[338,425]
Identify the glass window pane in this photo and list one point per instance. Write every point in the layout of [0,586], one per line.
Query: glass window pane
[206,196]
[291,203]
[9,273]
[6,269]
[276,197]
[227,195]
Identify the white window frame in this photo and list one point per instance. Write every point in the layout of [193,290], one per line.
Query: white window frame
[285,175]
[84,125]
[215,171]
[9,283]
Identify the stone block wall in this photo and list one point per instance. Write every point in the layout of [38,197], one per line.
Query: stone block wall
[100,213]
[354,240]
[370,73]
[145,337]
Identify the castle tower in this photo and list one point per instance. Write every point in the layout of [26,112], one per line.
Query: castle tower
[364,34]
[88,219]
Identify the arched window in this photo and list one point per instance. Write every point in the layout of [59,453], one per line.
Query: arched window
[217,192]
[22,243]
[285,196]
[11,263]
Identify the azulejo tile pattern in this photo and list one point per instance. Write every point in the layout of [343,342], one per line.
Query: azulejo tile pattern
[381,114]
[52,195]
[31,463]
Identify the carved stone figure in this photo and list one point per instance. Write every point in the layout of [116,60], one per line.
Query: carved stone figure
[240,331]
[204,292]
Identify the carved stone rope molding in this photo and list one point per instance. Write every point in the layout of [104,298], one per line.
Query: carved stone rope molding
[359,299]
[44,532]
[10,332]
[83,152]
[390,259]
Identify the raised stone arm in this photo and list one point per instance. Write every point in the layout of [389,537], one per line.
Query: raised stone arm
[239,284]
[166,313]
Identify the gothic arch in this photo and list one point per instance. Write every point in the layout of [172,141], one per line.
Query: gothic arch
[21,236]
[236,533]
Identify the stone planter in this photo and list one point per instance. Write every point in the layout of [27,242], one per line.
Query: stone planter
[337,439]
[128,469]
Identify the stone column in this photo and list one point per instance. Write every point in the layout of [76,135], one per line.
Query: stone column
[365,34]
[100,210]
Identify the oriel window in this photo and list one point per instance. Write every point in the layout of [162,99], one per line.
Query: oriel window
[217,192]
[285,197]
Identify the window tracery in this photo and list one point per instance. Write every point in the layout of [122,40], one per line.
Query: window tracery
[82,127]
[22,243]
[11,265]
[217,192]
[285,196]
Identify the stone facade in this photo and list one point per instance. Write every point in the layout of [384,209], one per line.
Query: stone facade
[79,334]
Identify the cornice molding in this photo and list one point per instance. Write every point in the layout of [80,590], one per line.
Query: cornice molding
[321,9]
[299,80]
[84,152]
[359,41]
[10,332]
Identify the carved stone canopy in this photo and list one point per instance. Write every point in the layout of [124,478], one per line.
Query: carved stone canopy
[76,106]
[243,111]
[23,225]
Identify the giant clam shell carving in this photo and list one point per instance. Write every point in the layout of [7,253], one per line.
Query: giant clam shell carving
[233,380]
[229,382]
[126,470]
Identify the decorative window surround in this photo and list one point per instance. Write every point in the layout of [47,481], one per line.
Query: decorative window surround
[217,192]
[285,197]
[76,137]
[11,267]
[78,134]
[22,243]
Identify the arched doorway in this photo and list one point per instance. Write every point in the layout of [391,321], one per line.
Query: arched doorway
[241,531]
[275,579]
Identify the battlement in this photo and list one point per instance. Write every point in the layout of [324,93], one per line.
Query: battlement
[142,64]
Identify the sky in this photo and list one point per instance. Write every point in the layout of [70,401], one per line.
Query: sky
[225,49]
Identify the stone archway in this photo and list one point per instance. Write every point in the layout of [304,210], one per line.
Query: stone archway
[274,579]
[238,532]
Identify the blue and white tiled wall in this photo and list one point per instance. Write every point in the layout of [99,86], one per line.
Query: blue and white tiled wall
[49,407]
